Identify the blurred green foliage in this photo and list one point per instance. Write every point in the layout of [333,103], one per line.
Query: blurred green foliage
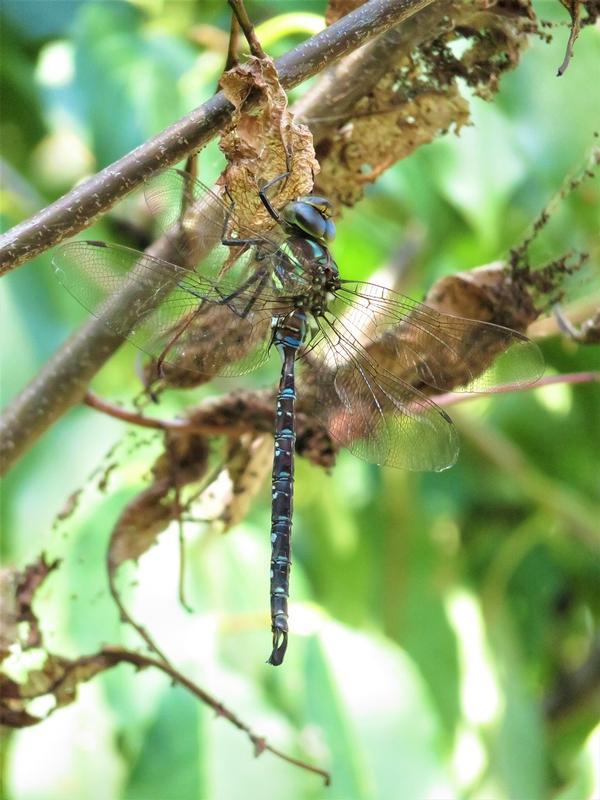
[432,615]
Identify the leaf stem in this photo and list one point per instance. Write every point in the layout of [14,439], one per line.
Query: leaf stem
[240,13]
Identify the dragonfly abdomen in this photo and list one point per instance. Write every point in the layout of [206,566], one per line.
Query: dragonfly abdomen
[287,337]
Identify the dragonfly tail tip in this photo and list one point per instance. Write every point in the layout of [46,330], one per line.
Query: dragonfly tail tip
[280,639]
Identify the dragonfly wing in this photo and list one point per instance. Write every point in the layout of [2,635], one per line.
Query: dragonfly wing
[427,348]
[196,217]
[214,340]
[171,313]
[377,416]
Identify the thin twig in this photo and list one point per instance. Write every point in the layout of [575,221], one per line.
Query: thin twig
[575,13]
[177,483]
[569,185]
[111,656]
[260,743]
[134,417]
[233,46]
[197,425]
[80,207]
[191,169]
[182,564]
[453,398]
[240,13]
[126,616]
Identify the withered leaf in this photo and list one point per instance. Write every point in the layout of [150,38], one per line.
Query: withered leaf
[402,90]
[152,510]
[17,590]
[262,143]
[487,293]
[246,466]
[59,677]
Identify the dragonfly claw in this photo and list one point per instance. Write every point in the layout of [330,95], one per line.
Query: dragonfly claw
[280,639]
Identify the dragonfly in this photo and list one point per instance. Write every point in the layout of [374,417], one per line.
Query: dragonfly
[371,357]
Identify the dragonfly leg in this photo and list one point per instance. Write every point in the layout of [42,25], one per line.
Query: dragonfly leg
[229,241]
[178,332]
[260,276]
[251,302]
[265,200]
[241,242]
[235,242]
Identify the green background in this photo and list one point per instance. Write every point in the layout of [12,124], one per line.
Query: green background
[432,614]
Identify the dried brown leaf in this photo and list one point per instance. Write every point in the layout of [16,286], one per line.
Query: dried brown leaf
[246,466]
[17,718]
[17,590]
[150,512]
[70,506]
[214,340]
[379,139]
[249,461]
[409,87]
[140,524]
[59,677]
[487,293]
[263,143]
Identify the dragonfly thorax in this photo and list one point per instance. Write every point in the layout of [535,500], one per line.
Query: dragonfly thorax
[307,273]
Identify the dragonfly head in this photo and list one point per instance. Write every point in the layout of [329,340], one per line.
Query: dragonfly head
[311,215]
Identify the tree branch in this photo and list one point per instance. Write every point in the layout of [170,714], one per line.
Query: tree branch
[63,381]
[80,207]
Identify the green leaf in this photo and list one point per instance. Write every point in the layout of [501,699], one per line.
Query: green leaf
[168,766]
[376,718]
[127,78]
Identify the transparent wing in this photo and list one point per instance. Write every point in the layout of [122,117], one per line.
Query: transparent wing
[426,347]
[169,312]
[196,218]
[376,415]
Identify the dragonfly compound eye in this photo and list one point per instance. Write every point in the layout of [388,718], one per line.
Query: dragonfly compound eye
[311,218]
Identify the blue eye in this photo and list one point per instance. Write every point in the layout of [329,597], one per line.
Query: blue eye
[309,219]
[329,234]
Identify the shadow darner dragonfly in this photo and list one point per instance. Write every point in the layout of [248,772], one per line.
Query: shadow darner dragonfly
[372,355]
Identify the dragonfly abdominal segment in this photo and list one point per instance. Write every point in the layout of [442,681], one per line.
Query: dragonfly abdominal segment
[288,335]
